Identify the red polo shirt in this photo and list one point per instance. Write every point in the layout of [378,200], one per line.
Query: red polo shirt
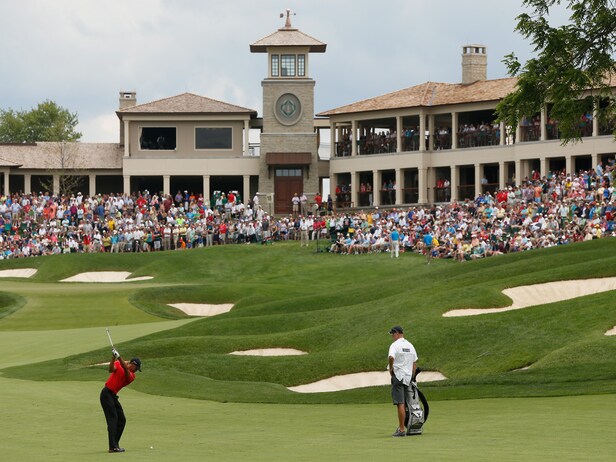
[118,379]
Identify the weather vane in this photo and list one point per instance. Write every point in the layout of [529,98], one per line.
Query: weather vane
[289,14]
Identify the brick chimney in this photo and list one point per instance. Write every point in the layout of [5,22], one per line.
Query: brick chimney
[127,99]
[474,63]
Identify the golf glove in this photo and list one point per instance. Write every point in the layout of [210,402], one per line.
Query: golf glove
[115,353]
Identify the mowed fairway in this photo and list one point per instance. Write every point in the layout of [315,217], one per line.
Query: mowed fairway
[195,402]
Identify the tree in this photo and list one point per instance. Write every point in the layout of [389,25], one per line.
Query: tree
[573,68]
[46,122]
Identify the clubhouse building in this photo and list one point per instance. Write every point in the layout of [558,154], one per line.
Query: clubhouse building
[433,142]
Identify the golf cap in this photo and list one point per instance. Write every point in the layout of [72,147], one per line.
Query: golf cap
[136,362]
[396,330]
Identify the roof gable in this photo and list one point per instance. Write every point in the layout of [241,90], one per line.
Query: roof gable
[186,103]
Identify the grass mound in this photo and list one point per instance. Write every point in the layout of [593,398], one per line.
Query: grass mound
[336,308]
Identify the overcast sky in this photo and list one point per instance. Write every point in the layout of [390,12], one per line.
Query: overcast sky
[81,53]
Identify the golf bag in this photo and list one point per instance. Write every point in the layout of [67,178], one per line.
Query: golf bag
[417,408]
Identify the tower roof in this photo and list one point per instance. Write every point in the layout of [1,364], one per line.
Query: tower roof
[288,36]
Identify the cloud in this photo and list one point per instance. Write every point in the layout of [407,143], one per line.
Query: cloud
[81,54]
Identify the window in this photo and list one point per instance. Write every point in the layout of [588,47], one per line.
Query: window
[287,65]
[301,65]
[213,138]
[158,138]
[288,172]
[275,66]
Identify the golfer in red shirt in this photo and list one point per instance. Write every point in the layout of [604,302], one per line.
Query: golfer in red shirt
[122,374]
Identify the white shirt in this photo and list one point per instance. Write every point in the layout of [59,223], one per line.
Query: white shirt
[404,355]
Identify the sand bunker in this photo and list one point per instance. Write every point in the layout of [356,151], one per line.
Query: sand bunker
[612,331]
[540,294]
[18,273]
[105,276]
[200,309]
[359,380]
[269,352]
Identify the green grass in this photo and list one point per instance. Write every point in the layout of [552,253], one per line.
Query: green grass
[338,309]
[195,401]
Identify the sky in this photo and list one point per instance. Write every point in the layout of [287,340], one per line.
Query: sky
[82,53]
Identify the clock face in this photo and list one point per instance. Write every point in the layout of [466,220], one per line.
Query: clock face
[288,109]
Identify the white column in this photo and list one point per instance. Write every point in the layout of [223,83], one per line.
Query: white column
[502,133]
[595,122]
[431,130]
[501,175]
[595,159]
[544,121]
[543,167]
[454,130]
[166,184]
[246,137]
[126,140]
[246,192]
[422,133]
[127,184]
[56,183]
[376,187]
[399,199]
[354,137]
[478,190]
[518,133]
[422,180]
[28,183]
[332,141]
[518,172]
[6,183]
[92,184]
[354,189]
[454,183]
[569,165]
[398,134]
[206,189]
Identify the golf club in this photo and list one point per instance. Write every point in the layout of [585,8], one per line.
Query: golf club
[109,335]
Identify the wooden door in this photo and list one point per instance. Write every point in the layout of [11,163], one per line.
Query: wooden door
[287,182]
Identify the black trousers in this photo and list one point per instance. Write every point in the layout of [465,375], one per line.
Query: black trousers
[114,414]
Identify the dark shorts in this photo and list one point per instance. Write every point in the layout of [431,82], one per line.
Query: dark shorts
[398,390]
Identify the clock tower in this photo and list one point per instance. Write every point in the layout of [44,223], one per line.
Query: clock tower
[289,158]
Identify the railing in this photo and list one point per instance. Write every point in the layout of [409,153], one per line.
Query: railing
[343,149]
[410,143]
[466,191]
[378,145]
[365,199]
[530,133]
[478,138]
[410,195]
[442,194]
[607,128]
[442,141]
[343,200]
[489,187]
[388,196]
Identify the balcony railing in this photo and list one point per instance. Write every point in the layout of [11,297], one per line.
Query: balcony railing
[530,133]
[379,145]
[478,138]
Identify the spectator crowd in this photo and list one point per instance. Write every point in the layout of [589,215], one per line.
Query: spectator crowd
[542,212]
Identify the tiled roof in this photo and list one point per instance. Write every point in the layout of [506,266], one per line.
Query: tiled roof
[288,38]
[431,94]
[47,156]
[186,103]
